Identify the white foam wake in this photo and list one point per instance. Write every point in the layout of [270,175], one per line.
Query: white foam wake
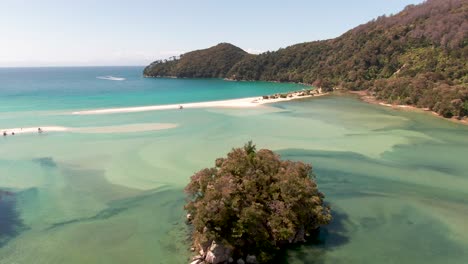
[111,78]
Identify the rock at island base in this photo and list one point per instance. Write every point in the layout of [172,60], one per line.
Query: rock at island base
[214,252]
[218,253]
[299,237]
[251,259]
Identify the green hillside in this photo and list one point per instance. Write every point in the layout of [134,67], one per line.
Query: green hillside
[417,57]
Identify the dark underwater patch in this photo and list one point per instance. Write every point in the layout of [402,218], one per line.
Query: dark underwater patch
[102,215]
[348,155]
[419,236]
[11,225]
[115,208]
[46,162]
[340,181]
[326,238]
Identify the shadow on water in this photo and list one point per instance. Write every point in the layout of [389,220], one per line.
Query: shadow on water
[11,224]
[47,162]
[117,207]
[326,238]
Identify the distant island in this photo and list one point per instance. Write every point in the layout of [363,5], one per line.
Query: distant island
[214,62]
[417,57]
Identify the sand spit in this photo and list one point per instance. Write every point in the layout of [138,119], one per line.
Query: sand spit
[248,102]
[29,130]
[237,103]
[130,128]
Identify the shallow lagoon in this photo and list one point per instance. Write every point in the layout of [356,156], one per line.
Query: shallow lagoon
[397,182]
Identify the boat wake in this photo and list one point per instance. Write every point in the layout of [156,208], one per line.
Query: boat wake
[111,78]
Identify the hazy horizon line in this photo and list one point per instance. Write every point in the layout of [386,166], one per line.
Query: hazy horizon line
[71,66]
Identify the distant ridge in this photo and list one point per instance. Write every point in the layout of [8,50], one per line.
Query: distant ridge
[417,57]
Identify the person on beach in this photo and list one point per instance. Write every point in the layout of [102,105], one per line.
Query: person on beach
[12,133]
[4,133]
[39,130]
[181,107]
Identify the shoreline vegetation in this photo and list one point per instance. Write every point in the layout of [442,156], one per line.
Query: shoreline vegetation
[364,95]
[368,98]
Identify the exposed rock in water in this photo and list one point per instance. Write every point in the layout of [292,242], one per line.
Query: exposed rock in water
[218,253]
[214,252]
[203,248]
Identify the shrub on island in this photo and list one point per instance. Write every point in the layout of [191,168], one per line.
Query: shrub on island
[250,205]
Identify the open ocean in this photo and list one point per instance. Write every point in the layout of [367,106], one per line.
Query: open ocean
[397,181]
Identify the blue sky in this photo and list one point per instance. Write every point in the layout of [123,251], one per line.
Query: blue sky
[91,32]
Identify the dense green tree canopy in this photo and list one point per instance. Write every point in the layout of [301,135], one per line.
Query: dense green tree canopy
[213,62]
[255,202]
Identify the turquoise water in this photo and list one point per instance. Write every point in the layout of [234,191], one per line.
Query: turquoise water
[397,181]
[34,89]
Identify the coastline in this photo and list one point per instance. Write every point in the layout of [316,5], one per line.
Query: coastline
[248,102]
[365,97]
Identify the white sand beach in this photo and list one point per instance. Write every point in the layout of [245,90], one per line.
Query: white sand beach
[29,130]
[248,102]
[236,103]
[130,128]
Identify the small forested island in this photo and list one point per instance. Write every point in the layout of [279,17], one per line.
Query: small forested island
[250,205]
[214,62]
[417,57]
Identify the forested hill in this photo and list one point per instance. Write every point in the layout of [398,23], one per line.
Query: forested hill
[214,62]
[418,57]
